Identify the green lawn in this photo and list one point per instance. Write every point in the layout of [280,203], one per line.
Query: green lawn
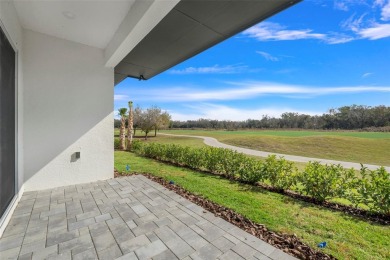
[188,141]
[361,147]
[347,237]
[287,133]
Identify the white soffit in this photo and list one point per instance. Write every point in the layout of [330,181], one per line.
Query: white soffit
[189,28]
[84,21]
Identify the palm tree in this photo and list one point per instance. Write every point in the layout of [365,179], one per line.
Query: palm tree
[130,126]
[122,113]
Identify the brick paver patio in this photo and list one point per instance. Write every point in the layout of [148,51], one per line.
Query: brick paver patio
[124,218]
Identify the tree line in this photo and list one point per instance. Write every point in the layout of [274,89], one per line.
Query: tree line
[346,118]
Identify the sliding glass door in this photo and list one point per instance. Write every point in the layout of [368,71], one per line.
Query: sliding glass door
[7,122]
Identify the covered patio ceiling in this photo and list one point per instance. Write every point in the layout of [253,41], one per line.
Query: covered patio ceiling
[142,38]
[191,27]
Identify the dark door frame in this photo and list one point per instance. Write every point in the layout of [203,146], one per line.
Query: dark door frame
[15,197]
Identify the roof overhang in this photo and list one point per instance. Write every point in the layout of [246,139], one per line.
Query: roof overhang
[191,27]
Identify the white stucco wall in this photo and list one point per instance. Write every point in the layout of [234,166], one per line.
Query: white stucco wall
[65,105]
[10,23]
[68,108]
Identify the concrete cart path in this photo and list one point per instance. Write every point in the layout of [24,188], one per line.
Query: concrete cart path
[210,141]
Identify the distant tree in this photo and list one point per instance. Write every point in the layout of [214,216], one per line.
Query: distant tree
[346,117]
[165,120]
[380,116]
[130,122]
[154,114]
[162,119]
[360,115]
[117,123]
[136,118]
[151,119]
[146,122]
[122,113]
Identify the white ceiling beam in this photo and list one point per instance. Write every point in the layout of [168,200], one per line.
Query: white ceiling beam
[143,16]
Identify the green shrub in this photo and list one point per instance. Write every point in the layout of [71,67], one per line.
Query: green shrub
[214,157]
[174,154]
[251,171]
[193,158]
[279,172]
[116,143]
[234,162]
[136,146]
[373,190]
[323,182]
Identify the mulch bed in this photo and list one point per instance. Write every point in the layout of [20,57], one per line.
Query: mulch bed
[289,244]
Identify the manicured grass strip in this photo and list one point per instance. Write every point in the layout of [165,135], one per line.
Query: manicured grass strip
[165,139]
[185,141]
[360,147]
[347,237]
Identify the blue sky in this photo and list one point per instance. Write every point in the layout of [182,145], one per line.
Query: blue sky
[316,55]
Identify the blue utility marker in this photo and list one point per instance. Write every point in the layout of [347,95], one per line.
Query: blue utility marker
[127,167]
[322,245]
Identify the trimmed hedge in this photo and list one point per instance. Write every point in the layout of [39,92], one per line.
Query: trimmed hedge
[322,182]
[116,143]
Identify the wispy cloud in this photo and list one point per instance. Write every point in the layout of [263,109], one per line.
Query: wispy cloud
[340,5]
[368,30]
[121,97]
[365,75]
[269,31]
[385,13]
[248,90]
[345,5]
[337,38]
[375,32]
[216,69]
[222,112]
[267,56]
[353,23]
[379,2]
[357,26]
[366,27]
[261,88]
